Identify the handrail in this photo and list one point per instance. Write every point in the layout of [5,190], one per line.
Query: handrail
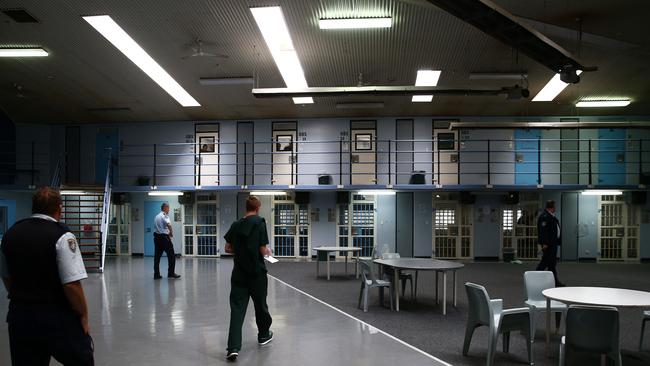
[56,176]
[106,210]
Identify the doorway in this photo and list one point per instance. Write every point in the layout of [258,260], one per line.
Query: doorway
[151,209]
[207,154]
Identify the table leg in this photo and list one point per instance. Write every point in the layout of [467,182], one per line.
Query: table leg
[328,266]
[444,293]
[346,264]
[548,327]
[437,302]
[455,285]
[356,267]
[317,266]
[396,290]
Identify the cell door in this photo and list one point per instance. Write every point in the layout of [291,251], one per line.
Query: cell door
[619,229]
[207,156]
[118,241]
[452,230]
[519,229]
[284,157]
[363,156]
[284,227]
[106,145]
[445,156]
[151,209]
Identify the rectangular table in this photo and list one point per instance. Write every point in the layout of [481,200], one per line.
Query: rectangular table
[328,250]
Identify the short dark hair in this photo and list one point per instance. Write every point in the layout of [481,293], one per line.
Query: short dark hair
[252,203]
[46,201]
[550,204]
[162,207]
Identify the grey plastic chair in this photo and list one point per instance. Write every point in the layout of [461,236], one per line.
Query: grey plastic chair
[373,256]
[403,276]
[535,282]
[490,313]
[646,318]
[368,281]
[591,329]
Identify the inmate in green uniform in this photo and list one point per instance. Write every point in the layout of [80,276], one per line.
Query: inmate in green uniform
[249,279]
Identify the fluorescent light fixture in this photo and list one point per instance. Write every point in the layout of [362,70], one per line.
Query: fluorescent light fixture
[303,100]
[497,76]
[75,193]
[226,81]
[602,192]
[377,192]
[552,89]
[165,193]
[274,29]
[23,52]
[421,98]
[425,78]
[105,25]
[602,103]
[268,193]
[356,23]
[362,105]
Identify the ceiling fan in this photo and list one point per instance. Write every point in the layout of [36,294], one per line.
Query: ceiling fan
[198,50]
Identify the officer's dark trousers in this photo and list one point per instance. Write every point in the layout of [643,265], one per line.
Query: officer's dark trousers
[549,261]
[163,243]
[38,332]
[240,291]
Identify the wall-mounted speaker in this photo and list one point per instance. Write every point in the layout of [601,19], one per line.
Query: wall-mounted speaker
[512,198]
[187,198]
[302,198]
[342,198]
[466,198]
[636,197]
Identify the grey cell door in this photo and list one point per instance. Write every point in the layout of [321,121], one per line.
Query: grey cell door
[404,224]
[72,155]
[569,227]
[403,150]
[245,153]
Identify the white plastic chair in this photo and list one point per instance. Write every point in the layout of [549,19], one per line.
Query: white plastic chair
[593,329]
[646,318]
[490,313]
[368,281]
[536,282]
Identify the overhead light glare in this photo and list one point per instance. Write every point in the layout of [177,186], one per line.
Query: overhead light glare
[303,100]
[552,89]
[165,193]
[23,52]
[603,103]
[427,77]
[105,25]
[268,193]
[377,192]
[421,98]
[75,193]
[602,192]
[356,23]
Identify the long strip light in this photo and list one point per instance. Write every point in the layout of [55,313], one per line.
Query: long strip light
[602,192]
[165,193]
[107,27]
[23,52]
[268,193]
[377,192]
[355,23]
[603,103]
[425,78]
[271,23]
[552,89]
[75,193]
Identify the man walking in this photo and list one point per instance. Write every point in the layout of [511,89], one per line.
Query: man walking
[162,239]
[247,240]
[42,268]
[548,233]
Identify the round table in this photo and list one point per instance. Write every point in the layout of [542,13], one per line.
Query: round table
[597,296]
[327,250]
[423,264]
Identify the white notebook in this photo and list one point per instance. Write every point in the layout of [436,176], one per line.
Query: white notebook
[270,259]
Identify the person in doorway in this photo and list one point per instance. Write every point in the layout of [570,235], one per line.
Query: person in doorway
[247,240]
[42,268]
[162,239]
[548,237]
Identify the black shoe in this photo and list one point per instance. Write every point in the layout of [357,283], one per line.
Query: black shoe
[232,356]
[265,340]
[157,277]
[174,276]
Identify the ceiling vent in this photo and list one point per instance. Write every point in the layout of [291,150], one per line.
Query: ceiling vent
[20,15]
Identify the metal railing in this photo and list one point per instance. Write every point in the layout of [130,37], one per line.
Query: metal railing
[106,211]
[482,161]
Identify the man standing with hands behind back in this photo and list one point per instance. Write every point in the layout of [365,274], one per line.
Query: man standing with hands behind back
[162,239]
[548,233]
[247,240]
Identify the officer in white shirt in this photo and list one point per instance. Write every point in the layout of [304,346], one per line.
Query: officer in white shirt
[162,239]
[41,266]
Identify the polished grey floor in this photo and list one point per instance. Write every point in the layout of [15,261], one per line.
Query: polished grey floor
[138,321]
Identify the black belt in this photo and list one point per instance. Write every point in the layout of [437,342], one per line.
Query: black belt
[160,234]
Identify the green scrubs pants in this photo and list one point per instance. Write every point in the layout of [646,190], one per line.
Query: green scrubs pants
[240,291]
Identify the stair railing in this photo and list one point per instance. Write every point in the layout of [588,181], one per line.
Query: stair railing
[106,210]
[57,175]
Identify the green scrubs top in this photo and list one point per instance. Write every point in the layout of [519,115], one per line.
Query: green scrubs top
[247,236]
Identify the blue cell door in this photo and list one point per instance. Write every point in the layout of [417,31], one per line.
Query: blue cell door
[107,142]
[151,209]
[611,156]
[526,157]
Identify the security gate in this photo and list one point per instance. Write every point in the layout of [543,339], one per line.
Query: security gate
[356,224]
[291,228]
[619,229]
[452,229]
[118,241]
[519,226]
[201,233]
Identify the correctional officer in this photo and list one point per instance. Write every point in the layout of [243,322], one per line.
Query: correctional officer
[247,240]
[548,233]
[162,239]
[41,266]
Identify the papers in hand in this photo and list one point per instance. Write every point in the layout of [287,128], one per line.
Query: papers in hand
[270,259]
